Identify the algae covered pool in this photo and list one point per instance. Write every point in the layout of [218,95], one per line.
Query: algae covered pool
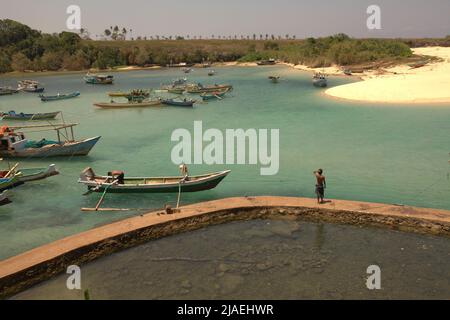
[267,259]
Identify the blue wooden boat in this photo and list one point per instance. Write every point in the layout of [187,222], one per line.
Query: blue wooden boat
[60,96]
[12,115]
[179,103]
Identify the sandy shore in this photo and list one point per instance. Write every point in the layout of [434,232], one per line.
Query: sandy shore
[403,84]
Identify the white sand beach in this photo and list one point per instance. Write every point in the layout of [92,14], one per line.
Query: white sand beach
[403,84]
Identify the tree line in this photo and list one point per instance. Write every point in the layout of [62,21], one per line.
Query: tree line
[22,48]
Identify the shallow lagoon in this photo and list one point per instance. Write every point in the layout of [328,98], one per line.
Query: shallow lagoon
[378,153]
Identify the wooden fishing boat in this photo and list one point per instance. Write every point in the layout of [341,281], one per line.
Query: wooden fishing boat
[213,95]
[214,88]
[133,93]
[129,104]
[274,79]
[114,184]
[7,91]
[31,174]
[320,80]
[4,200]
[60,96]
[176,90]
[12,115]
[15,145]
[30,86]
[98,79]
[179,103]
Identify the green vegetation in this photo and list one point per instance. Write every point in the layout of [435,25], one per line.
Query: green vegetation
[22,49]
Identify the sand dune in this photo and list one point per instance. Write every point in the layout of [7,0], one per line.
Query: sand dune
[403,84]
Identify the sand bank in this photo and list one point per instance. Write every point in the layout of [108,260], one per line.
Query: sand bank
[403,84]
[21,272]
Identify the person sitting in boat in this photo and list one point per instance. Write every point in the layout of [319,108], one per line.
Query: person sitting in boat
[118,176]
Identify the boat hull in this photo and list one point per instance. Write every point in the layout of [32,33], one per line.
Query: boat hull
[68,149]
[60,97]
[22,116]
[4,199]
[208,183]
[35,174]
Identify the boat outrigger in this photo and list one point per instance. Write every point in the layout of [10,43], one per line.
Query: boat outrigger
[15,145]
[12,115]
[116,182]
[60,96]
[98,79]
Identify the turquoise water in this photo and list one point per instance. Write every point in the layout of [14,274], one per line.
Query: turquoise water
[266,259]
[379,153]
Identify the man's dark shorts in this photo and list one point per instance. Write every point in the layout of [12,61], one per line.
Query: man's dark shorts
[320,191]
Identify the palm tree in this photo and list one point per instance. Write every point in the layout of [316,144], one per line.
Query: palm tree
[287,36]
[260,37]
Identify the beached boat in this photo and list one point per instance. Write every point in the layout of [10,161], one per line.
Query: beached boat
[266,62]
[130,104]
[320,80]
[213,95]
[15,145]
[4,200]
[118,183]
[98,79]
[179,102]
[274,79]
[7,91]
[12,115]
[348,72]
[30,86]
[179,65]
[60,96]
[199,88]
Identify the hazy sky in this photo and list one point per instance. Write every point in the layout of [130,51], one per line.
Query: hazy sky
[399,18]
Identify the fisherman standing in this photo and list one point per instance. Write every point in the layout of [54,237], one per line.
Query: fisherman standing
[320,185]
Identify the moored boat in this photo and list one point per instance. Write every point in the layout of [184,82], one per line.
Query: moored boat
[211,73]
[274,79]
[60,96]
[98,79]
[15,145]
[320,80]
[199,88]
[213,95]
[179,102]
[130,104]
[132,93]
[12,115]
[31,86]
[116,182]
